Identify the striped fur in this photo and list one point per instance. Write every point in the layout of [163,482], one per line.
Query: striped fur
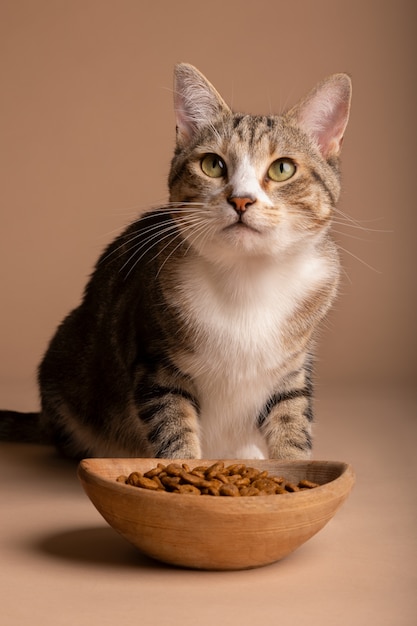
[195,334]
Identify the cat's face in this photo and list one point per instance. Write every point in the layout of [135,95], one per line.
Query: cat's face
[251,185]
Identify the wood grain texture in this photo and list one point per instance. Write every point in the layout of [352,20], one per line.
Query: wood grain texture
[217,533]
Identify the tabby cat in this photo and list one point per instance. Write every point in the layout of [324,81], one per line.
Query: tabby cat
[195,334]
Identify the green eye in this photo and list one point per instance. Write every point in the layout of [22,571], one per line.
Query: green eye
[213,166]
[281,169]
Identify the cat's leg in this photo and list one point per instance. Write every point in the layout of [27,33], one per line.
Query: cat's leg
[170,417]
[286,421]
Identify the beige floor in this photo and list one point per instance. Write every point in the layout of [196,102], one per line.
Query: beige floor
[61,564]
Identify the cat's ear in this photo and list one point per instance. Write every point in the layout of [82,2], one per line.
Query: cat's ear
[324,113]
[197,103]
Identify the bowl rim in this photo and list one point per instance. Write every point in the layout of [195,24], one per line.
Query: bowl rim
[89,471]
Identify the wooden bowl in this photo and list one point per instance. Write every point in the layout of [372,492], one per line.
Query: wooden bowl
[215,532]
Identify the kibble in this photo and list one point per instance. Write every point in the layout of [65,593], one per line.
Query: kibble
[215,480]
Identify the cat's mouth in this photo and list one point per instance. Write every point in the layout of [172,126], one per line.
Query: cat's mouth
[241,225]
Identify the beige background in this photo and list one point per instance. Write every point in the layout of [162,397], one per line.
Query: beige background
[87,131]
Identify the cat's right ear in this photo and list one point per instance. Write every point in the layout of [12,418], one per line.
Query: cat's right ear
[197,103]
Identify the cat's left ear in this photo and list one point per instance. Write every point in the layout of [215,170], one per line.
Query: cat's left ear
[197,103]
[324,113]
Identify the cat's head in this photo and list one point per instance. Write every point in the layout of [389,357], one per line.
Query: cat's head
[250,185]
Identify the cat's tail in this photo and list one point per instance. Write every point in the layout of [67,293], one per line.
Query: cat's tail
[22,428]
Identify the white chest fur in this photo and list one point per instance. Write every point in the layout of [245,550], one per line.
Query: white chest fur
[239,317]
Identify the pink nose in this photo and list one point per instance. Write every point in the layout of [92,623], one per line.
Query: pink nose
[240,204]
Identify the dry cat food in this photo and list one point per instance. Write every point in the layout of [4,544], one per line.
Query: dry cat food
[216,480]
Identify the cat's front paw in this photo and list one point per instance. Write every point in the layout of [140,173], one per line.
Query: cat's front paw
[289,453]
[183,447]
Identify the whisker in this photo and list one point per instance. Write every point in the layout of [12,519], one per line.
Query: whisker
[197,225]
[344,271]
[349,235]
[204,230]
[199,228]
[137,218]
[181,242]
[339,222]
[358,259]
[156,238]
[353,223]
[145,231]
[171,238]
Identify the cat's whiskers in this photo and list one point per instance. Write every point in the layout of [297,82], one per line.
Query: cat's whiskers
[344,219]
[168,231]
[206,230]
[144,230]
[374,269]
[348,219]
[180,243]
[198,224]
[348,235]
[190,221]
[172,234]
[200,227]
[167,209]
[133,213]
[338,222]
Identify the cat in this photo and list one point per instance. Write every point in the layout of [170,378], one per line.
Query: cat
[195,335]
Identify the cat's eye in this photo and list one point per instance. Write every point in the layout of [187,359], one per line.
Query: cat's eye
[281,169]
[213,166]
